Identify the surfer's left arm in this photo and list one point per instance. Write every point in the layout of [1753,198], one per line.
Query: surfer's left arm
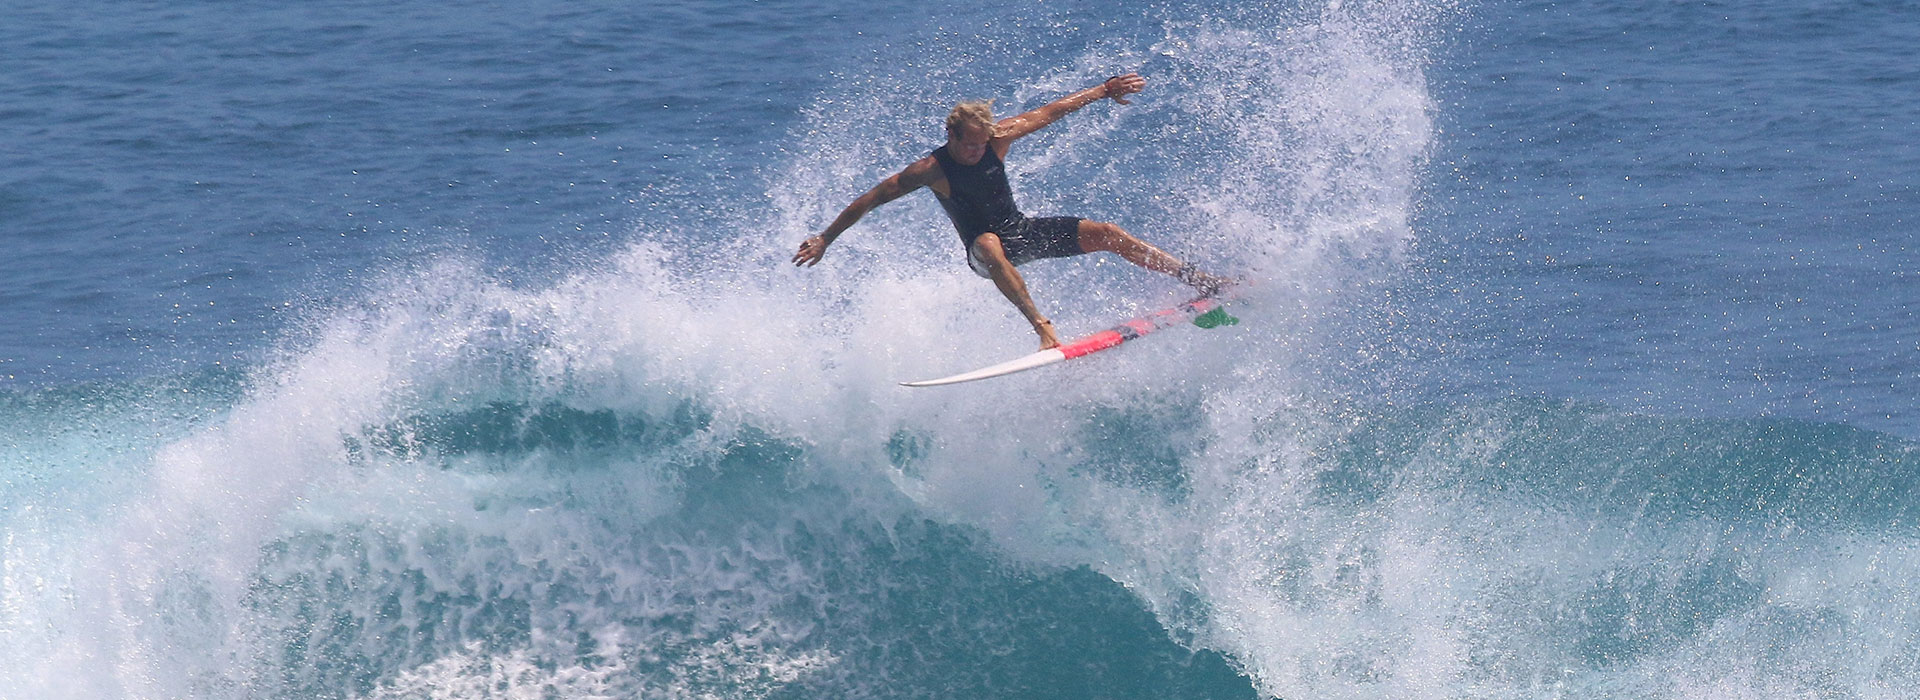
[1116,88]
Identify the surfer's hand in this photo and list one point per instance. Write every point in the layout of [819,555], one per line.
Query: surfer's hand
[1119,86]
[811,250]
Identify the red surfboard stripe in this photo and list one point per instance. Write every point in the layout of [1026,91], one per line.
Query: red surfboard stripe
[1088,345]
[1092,344]
[1137,327]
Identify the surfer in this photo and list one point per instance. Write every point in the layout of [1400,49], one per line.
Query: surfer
[969,177]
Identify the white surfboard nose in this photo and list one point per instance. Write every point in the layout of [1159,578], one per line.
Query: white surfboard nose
[1022,364]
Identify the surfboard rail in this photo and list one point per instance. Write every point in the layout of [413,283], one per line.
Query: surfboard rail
[1081,347]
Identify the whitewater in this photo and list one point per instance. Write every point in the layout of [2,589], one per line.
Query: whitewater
[652,460]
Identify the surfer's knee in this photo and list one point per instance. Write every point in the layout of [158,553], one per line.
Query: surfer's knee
[989,251]
[987,255]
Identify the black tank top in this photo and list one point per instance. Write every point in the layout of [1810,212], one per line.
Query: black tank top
[981,200]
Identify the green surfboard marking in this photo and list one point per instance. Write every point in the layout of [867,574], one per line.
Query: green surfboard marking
[1215,318]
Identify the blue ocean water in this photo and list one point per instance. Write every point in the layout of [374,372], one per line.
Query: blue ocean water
[356,350]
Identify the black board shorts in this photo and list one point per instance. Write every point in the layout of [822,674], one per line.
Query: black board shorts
[1034,239]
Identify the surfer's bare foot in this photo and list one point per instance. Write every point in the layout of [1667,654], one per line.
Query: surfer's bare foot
[1208,285]
[1212,285]
[1048,340]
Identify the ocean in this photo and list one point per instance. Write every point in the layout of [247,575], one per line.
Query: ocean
[451,350]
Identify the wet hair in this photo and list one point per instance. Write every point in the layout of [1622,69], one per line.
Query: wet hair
[976,112]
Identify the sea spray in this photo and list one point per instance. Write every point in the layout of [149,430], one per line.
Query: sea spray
[685,471]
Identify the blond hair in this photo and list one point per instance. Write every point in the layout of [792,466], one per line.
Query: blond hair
[976,112]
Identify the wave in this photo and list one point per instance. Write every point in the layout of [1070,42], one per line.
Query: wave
[1517,549]
[673,475]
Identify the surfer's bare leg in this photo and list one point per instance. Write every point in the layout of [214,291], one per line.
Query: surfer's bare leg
[1101,236]
[988,249]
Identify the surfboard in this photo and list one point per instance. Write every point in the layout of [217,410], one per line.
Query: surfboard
[1081,347]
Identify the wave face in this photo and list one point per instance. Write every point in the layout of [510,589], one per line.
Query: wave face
[675,474]
[660,544]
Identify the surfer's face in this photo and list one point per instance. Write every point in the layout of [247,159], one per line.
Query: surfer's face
[968,143]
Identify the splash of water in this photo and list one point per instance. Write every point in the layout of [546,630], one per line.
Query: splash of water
[674,475]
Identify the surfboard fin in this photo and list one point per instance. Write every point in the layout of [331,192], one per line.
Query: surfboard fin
[1215,318]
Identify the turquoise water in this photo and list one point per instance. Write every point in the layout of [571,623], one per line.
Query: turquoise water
[450,351]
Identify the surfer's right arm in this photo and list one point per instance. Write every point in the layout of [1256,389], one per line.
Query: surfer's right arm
[922,173]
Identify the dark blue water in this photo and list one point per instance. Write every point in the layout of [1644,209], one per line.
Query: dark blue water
[1690,207]
[448,351]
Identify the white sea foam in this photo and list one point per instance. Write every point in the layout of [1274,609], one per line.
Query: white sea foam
[387,512]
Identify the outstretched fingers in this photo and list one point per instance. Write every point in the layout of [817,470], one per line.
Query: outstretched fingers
[1119,86]
[811,250]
